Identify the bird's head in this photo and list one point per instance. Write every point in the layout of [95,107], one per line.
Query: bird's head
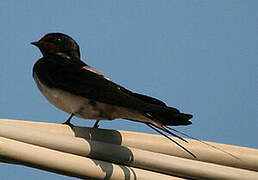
[58,43]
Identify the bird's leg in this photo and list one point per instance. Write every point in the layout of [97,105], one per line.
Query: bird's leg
[96,125]
[68,121]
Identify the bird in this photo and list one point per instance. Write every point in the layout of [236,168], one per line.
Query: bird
[82,91]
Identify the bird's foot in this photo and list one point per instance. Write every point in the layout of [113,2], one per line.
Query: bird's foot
[69,124]
[96,125]
[68,121]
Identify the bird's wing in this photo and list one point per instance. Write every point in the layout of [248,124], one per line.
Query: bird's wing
[80,79]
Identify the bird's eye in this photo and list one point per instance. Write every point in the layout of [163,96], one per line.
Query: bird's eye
[55,40]
[58,39]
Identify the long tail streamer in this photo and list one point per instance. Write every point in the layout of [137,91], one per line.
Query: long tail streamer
[160,132]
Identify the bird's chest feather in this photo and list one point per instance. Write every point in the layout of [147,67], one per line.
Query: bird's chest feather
[80,106]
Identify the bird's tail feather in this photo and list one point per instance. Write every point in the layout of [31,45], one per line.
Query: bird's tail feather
[169,116]
[162,129]
[208,144]
[159,130]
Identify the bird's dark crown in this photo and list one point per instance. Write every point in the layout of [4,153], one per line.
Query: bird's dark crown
[58,43]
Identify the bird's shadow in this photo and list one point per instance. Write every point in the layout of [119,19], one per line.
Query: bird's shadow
[93,135]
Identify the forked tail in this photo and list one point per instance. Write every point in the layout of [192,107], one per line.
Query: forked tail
[166,130]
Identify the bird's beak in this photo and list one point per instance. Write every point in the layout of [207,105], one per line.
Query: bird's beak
[36,43]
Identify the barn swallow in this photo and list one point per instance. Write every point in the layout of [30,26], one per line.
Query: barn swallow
[80,90]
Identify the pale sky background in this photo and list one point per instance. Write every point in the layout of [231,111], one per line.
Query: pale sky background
[198,56]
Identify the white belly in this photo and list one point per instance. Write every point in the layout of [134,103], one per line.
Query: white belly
[70,103]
